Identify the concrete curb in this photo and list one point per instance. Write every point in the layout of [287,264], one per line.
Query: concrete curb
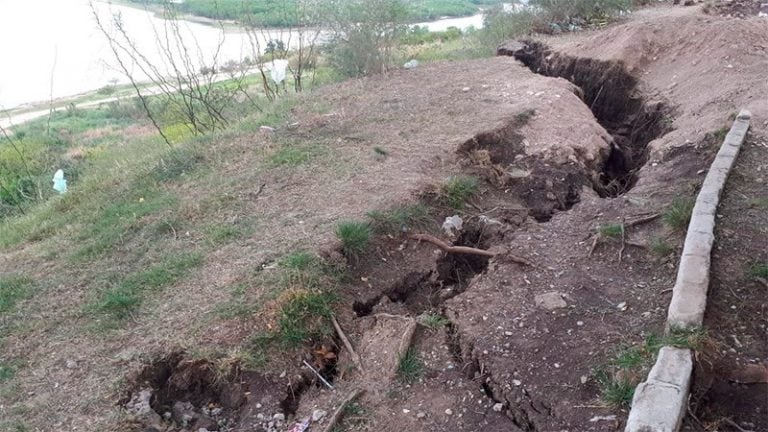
[660,402]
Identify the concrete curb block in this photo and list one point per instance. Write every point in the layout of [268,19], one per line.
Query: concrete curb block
[660,402]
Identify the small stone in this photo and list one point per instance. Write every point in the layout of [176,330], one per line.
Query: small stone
[420,415]
[498,407]
[279,417]
[579,323]
[584,379]
[449,411]
[319,414]
[406,411]
[71,364]
[622,306]
[550,301]
[465,89]
[517,383]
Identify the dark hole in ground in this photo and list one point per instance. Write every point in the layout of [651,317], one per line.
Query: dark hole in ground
[290,403]
[611,93]
[422,291]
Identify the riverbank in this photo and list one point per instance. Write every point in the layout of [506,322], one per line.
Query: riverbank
[275,16]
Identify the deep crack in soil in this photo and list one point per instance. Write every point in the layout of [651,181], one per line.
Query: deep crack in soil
[612,94]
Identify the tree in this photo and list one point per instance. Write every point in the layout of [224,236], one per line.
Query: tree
[364,33]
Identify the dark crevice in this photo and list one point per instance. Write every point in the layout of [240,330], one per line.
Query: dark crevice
[290,404]
[611,93]
[422,291]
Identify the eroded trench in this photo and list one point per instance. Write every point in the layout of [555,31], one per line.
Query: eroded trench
[612,94]
[421,291]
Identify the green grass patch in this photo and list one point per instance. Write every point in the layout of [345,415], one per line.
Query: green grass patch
[177,163]
[354,237]
[433,321]
[6,372]
[660,247]
[720,134]
[291,156]
[304,315]
[223,233]
[630,364]
[758,270]
[611,230]
[696,338]
[678,214]
[759,203]
[457,190]
[615,391]
[121,300]
[115,221]
[410,366]
[238,306]
[400,218]
[13,289]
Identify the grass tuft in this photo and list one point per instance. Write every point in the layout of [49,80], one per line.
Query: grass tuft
[304,315]
[660,247]
[759,270]
[678,215]
[720,134]
[696,338]
[611,231]
[410,367]
[354,237]
[434,321]
[400,218]
[457,190]
[6,372]
[120,301]
[615,391]
[523,117]
[13,289]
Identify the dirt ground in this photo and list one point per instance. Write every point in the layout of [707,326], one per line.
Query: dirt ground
[558,156]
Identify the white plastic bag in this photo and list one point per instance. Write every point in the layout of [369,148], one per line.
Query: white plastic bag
[59,182]
[277,70]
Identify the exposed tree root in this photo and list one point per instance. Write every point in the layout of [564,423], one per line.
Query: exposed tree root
[452,249]
[355,357]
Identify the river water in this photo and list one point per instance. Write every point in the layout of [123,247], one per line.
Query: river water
[54,48]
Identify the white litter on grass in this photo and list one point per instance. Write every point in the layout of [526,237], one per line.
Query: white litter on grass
[277,70]
[451,224]
[59,182]
[411,64]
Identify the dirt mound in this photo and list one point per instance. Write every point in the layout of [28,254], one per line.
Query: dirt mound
[738,8]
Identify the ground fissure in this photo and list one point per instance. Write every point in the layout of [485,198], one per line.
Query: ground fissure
[612,94]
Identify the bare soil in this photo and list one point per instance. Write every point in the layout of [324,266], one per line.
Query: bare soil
[724,389]
[558,156]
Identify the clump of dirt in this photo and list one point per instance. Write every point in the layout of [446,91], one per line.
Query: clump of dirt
[612,94]
[499,157]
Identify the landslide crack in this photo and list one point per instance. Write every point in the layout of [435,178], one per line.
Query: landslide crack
[612,94]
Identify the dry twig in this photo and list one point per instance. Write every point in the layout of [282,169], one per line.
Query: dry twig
[355,357]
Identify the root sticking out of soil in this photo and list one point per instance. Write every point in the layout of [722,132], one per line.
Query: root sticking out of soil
[612,95]
[420,291]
